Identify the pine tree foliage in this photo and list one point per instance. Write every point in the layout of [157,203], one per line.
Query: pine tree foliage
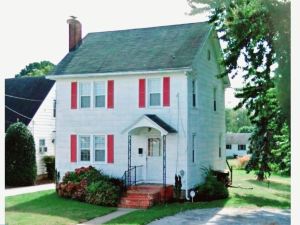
[249,32]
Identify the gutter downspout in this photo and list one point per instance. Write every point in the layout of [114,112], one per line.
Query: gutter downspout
[187,150]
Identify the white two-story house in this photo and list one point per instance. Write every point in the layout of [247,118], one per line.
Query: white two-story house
[145,97]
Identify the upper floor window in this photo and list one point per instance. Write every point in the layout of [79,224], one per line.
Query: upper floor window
[85,95]
[194,93]
[154,91]
[228,147]
[215,99]
[241,147]
[84,144]
[99,93]
[99,148]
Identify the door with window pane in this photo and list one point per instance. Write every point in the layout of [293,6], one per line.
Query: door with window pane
[99,148]
[154,161]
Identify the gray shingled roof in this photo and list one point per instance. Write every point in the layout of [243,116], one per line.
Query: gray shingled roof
[237,138]
[17,93]
[155,48]
[161,123]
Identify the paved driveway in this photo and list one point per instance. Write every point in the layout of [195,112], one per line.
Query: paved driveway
[229,216]
[28,189]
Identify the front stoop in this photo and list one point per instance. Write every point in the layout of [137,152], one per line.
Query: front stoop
[145,196]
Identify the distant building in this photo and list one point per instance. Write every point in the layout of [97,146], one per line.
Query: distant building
[237,144]
[31,100]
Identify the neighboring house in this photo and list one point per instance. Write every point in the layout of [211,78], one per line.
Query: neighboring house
[31,100]
[237,144]
[142,97]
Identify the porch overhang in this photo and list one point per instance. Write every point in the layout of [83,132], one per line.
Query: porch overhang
[150,121]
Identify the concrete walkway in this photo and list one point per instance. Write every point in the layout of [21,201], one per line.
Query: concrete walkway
[226,216]
[28,189]
[108,217]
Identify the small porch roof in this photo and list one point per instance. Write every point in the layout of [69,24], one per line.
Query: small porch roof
[153,121]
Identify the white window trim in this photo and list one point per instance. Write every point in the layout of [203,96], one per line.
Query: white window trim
[79,148]
[79,96]
[45,146]
[105,149]
[92,150]
[148,93]
[94,94]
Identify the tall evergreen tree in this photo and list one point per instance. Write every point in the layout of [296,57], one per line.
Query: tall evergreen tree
[247,30]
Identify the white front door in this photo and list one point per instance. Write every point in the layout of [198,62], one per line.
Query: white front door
[154,161]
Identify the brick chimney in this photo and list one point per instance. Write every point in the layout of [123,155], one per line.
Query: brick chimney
[74,33]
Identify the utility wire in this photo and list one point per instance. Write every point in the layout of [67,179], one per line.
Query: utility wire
[27,99]
[17,112]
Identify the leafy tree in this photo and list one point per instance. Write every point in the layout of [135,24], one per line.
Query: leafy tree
[250,36]
[20,164]
[246,129]
[235,119]
[36,69]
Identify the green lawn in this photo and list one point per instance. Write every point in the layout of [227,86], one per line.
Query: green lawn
[46,208]
[276,195]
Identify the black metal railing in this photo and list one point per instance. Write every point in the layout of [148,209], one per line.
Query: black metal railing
[230,169]
[131,176]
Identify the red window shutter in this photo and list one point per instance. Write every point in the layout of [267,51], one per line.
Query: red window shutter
[73,148]
[110,94]
[110,148]
[166,91]
[142,93]
[74,95]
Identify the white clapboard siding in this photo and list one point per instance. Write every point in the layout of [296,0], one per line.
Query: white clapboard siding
[204,122]
[42,126]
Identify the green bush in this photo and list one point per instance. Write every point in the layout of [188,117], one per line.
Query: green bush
[20,162]
[90,185]
[49,162]
[211,189]
[103,193]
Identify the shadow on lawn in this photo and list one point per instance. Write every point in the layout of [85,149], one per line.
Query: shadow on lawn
[272,185]
[261,201]
[51,204]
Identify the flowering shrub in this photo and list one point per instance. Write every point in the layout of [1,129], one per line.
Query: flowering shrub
[103,193]
[90,185]
[242,161]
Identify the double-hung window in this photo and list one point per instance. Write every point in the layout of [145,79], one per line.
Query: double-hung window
[42,145]
[85,145]
[241,147]
[154,91]
[215,99]
[194,86]
[99,148]
[228,146]
[99,92]
[85,95]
